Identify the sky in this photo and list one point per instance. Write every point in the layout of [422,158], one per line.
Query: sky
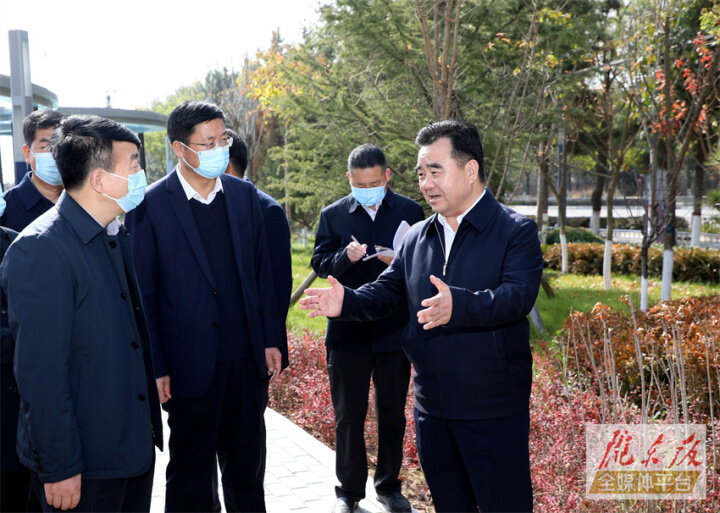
[136,51]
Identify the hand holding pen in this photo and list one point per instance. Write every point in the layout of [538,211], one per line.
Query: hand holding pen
[355,250]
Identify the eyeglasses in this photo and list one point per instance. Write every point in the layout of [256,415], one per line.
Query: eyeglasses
[225,142]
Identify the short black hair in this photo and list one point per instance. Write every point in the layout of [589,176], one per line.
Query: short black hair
[83,143]
[464,139]
[40,120]
[366,155]
[238,152]
[185,116]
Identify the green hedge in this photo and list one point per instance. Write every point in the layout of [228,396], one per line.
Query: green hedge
[689,264]
[573,235]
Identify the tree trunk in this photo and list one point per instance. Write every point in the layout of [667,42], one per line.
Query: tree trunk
[562,201]
[597,193]
[542,203]
[698,190]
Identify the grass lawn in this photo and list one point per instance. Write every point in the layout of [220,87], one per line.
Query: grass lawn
[297,320]
[572,291]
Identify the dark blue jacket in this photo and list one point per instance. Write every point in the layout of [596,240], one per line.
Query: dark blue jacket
[277,232]
[178,287]
[479,365]
[88,400]
[8,391]
[24,205]
[338,223]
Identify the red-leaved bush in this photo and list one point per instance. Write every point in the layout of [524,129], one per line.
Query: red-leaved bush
[561,404]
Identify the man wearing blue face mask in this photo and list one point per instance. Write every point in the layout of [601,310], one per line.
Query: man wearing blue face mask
[40,188]
[89,410]
[363,222]
[203,266]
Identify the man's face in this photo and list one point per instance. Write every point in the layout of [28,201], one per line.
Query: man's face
[40,144]
[204,136]
[125,163]
[368,177]
[446,186]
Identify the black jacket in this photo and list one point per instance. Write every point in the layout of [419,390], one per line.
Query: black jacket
[479,365]
[338,223]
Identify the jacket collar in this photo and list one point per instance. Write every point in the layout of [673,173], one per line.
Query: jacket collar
[388,200]
[479,216]
[82,223]
[28,193]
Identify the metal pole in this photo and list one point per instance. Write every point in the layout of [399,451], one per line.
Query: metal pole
[21,93]
[141,136]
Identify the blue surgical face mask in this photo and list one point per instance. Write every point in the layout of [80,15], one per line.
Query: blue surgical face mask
[213,162]
[137,183]
[368,196]
[2,205]
[45,168]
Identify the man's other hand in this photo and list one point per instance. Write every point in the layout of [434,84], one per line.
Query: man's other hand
[64,494]
[273,362]
[163,386]
[327,302]
[438,308]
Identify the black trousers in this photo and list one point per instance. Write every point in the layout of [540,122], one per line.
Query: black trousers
[225,425]
[471,463]
[16,491]
[129,495]
[350,375]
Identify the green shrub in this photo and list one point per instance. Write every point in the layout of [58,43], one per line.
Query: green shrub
[573,235]
[690,264]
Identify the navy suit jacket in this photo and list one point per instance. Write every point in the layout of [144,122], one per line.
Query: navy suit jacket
[8,391]
[338,223]
[24,205]
[88,399]
[479,365]
[178,287]
[277,232]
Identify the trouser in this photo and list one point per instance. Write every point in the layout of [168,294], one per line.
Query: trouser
[224,426]
[350,375]
[130,495]
[16,491]
[471,463]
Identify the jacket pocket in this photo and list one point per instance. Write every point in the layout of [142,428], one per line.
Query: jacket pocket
[500,350]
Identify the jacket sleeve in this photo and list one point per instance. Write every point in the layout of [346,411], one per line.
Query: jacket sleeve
[277,231]
[514,297]
[329,256]
[42,299]
[264,279]
[145,256]
[377,299]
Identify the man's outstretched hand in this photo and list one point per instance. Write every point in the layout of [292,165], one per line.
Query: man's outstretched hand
[438,309]
[327,302]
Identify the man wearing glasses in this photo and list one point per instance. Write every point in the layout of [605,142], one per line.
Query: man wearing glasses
[201,256]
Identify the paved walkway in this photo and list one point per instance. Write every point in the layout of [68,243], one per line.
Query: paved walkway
[300,474]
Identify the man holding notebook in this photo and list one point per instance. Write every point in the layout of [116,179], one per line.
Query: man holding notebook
[350,233]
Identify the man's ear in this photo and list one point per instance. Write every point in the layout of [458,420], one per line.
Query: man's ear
[95,179]
[471,169]
[26,152]
[178,149]
[387,175]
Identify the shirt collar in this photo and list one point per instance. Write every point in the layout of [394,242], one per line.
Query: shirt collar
[29,194]
[443,220]
[191,193]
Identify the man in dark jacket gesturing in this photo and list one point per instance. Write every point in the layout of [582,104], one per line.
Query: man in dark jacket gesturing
[469,276]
